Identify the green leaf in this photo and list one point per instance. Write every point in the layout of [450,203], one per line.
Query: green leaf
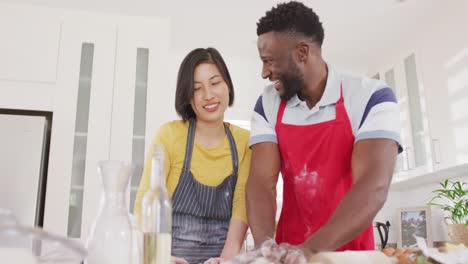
[434,204]
[451,198]
[444,184]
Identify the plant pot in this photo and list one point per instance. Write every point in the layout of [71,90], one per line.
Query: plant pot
[458,233]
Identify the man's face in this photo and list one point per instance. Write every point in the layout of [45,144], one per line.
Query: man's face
[276,53]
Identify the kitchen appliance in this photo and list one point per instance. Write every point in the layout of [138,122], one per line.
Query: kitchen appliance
[24,140]
[383,232]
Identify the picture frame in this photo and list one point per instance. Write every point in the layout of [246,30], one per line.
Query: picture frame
[413,221]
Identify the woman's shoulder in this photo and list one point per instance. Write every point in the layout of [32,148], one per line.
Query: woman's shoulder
[173,126]
[240,134]
[172,129]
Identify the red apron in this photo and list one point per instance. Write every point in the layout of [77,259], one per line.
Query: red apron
[316,169]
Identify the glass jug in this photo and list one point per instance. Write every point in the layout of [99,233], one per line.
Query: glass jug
[110,240]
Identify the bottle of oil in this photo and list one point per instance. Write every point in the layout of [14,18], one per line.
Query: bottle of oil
[156,215]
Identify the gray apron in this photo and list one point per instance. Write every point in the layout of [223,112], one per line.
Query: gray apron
[201,214]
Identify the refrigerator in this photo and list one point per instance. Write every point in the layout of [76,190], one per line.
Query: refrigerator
[23,165]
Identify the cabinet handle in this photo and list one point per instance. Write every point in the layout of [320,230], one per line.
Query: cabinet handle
[407,150]
[435,150]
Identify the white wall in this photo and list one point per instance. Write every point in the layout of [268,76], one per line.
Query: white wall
[442,47]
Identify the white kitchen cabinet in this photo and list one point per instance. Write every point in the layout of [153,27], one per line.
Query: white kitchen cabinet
[404,77]
[102,76]
[432,97]
[445,67]
[29,46]
[443,76]
[28,51]
[104,61]
[141,80]
[81,121]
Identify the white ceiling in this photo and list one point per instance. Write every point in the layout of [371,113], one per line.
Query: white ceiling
[357,32]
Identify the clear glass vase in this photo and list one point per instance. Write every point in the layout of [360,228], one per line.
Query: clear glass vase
[110,240]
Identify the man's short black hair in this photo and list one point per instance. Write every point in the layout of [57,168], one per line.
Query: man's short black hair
[185,79]
[293,17]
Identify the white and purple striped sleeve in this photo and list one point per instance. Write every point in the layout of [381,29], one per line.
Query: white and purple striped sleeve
[381,118]
[261,129]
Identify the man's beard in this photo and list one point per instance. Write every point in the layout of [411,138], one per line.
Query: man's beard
[292,85]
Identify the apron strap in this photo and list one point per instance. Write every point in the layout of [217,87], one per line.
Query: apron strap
[279,115]
[189,145]
[340,110]
[191,139]
[232,145]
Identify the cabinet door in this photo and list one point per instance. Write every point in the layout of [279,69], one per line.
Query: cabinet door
[446,83]
[81,123]
[416,158]
[139,104]
[29,46]
[28,52]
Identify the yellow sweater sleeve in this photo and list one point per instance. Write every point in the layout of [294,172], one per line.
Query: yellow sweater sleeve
[162,137]
[239,210]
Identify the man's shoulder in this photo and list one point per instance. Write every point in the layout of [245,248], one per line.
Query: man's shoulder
[361,94]
[360,84]
[267,103]
[359,91]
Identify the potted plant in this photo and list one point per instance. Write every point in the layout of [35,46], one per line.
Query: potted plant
[452,197]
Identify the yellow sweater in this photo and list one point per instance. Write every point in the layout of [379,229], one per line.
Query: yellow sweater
[208,166]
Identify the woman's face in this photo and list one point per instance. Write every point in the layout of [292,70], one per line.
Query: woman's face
[211,93]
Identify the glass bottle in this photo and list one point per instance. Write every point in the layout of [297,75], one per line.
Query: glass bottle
[156,219]
[110,240]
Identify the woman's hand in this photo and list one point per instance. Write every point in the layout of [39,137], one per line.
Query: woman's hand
[214,261]
[176,260]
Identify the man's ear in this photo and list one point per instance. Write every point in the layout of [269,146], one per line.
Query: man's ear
[302,51]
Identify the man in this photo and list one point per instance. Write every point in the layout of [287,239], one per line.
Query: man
[334,136]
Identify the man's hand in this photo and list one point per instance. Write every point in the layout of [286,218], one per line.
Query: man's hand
[282,253]
[261,190]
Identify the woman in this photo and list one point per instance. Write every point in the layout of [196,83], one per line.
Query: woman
[207,163]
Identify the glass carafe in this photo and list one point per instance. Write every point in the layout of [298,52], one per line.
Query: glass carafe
[110,240]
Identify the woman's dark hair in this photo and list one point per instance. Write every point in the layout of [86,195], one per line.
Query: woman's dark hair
[184,89]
